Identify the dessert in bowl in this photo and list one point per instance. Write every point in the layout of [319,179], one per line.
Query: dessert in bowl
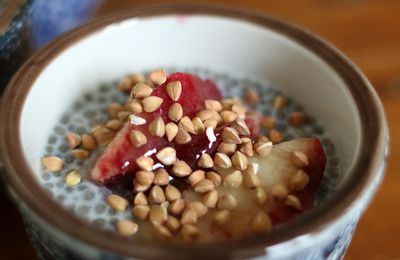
[66,90]
[186,159]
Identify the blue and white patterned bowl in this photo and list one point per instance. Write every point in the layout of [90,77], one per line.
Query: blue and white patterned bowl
[14,37]
[29,24]
[51,18]
[308,70]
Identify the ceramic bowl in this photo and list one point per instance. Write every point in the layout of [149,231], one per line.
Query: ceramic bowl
[304,67]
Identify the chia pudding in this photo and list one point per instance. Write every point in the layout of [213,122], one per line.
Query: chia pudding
[165,156]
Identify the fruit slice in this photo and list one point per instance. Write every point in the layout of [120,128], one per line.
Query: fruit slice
[253,122]
[275,169]
[191,152]
[200,144]
[120,155]
[314,151]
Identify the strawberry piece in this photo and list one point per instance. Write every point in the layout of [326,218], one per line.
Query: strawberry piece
[194,92]
[192,151]
[119,156]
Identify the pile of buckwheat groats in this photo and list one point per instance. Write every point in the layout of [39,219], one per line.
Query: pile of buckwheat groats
[215,180]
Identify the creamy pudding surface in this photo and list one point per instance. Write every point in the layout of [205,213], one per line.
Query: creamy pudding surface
[188,157]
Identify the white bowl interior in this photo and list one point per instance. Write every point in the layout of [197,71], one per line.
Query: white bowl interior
[219,44]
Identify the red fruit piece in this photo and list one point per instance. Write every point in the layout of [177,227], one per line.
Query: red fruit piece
[194,92]
[120,155]
[192,151]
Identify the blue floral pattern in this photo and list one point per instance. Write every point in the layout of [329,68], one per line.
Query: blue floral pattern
[51,18]
[14,44]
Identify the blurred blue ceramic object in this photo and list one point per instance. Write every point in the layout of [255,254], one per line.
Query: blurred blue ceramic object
[53,17]
[14,37]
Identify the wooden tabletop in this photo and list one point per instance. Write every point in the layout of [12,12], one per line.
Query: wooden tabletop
[368,32]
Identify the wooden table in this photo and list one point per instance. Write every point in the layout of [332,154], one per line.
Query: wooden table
[368,31]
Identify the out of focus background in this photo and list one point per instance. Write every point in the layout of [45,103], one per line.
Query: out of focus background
[367,31]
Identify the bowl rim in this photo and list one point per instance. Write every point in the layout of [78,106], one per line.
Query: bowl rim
[366,173]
